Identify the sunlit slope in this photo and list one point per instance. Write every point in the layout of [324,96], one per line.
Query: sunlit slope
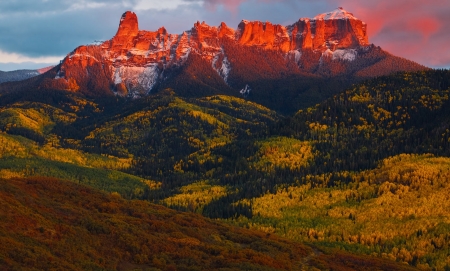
[168,129]
[224,157]
[325,175]
[398,211]
[51,224]
[21,157]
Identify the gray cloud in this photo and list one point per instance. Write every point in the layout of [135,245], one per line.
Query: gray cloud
[50,28]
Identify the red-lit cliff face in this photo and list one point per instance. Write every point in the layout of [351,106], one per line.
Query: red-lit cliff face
[134,61]
[338,29]
[334,30]
[126,34]
[266,35]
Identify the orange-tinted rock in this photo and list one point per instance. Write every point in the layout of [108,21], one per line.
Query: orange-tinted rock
[225,31]
[183,46]
[147,40]
[271,37]
[128,30]
[133,57]
[82,56]
[121,89]
[338,29]
[204,36]
[340,33]
[301,35]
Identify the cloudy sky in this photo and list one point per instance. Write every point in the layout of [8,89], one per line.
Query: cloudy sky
[37,33]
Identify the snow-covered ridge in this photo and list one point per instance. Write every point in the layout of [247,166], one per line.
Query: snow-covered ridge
[224,69]
[96,42]
[85,55]
[337,14]
[341,54]
[138,80]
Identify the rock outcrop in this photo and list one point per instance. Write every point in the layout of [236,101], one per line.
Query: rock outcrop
[134,60]
[266,35]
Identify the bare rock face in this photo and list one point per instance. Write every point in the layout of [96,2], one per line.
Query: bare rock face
[334,30]
[226,32]
[205,40]
[133,61]
[338,29]
[266,35]
[301,35]
[128,30]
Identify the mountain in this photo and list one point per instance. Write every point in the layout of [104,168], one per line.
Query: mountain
[20,75]
[317,55]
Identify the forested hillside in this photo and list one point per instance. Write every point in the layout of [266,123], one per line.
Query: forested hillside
[17,75]
[51,224]
[364,171]
[280,82]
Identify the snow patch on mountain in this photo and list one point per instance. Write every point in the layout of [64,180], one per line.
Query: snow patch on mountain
[225,68]
[224,71]
[81,56]
[58,75]
[345,54]
[138,52]
[341,54]
[245,91]
[137,77]
[296,55]
[337,14]
[96,43]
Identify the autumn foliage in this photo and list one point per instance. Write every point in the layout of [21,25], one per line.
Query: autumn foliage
[51,224]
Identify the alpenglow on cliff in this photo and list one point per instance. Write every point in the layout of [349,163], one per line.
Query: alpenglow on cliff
[135,61]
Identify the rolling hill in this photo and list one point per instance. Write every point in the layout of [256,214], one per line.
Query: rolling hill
[318,176]
[52,224]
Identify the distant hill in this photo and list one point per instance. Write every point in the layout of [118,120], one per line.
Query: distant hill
[20,75]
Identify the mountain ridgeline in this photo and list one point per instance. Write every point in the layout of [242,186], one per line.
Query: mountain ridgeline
[285,67]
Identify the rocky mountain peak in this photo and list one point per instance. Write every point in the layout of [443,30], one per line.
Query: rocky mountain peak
[334,30]
[337,14]
[128,30]
[225,31]
[134,61]
[264,34]
[128,25]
